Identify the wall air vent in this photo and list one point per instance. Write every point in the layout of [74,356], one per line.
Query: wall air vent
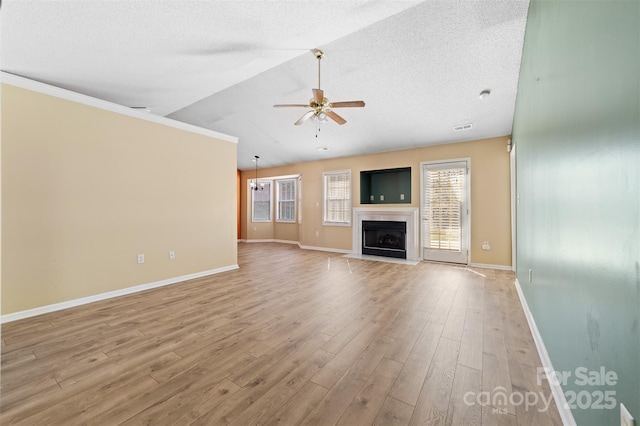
[463,127]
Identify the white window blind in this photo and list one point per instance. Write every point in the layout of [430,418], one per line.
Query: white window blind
[286,200]
[337,198]
[443,198]
[261,203]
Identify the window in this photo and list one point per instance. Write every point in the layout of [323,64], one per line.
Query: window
[443,204]
[299,199]
[261,203]
[337,197]
[286,200]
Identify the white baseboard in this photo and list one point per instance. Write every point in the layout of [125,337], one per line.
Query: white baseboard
[488,266]
[286,242]
[332,250]
[108,295]
[556,389]
[335,250]
[270,240]
[329,249]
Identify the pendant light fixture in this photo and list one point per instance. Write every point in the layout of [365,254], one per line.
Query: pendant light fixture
[254,185]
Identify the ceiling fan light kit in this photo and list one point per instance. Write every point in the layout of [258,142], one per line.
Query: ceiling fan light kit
[321,108]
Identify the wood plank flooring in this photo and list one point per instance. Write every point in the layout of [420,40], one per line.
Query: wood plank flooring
[292,337]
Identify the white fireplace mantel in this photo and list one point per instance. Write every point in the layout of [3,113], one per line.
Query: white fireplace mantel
[397,214]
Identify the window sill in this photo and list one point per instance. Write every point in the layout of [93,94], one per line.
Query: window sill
[336,223]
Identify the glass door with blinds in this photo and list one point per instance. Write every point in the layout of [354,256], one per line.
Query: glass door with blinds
[445,212]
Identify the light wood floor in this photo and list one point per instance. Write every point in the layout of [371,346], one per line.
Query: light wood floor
[292,337]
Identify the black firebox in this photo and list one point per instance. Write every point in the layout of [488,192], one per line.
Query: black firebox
[384,238]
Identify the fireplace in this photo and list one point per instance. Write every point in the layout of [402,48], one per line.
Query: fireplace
[384,238]
[407,215]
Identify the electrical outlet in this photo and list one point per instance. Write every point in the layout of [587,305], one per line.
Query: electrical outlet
[625,417]
[317,233]
[172,254]
[141,258]
[401,197]
[485,245]
[371,198]
[382,198]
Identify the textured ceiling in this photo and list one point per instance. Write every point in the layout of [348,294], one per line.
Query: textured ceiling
[418,65]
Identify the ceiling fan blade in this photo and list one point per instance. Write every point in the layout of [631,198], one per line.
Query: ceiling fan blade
[318,95]
[346,104]
[335,117]
[305,117]
[291,105]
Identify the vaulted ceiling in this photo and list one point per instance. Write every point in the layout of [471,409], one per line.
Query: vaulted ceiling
[419,66]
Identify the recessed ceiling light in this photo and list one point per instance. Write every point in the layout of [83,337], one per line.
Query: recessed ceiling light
[484,94]
[322,148]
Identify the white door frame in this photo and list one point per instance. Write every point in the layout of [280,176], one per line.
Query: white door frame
[466,230]
[514,198]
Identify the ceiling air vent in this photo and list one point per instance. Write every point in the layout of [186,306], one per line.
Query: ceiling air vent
[463,127]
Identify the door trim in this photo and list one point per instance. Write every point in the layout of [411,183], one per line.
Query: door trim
[514,197]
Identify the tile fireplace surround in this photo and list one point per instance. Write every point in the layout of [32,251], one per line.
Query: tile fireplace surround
[409,215]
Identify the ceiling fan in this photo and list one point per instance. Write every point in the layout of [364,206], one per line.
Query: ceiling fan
[320,106]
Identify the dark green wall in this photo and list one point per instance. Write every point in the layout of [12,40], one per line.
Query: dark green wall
[577,134]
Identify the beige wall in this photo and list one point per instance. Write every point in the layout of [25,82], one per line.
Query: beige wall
[84,190]
[490,195]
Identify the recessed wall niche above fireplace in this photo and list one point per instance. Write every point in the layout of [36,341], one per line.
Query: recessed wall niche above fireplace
[386,186]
